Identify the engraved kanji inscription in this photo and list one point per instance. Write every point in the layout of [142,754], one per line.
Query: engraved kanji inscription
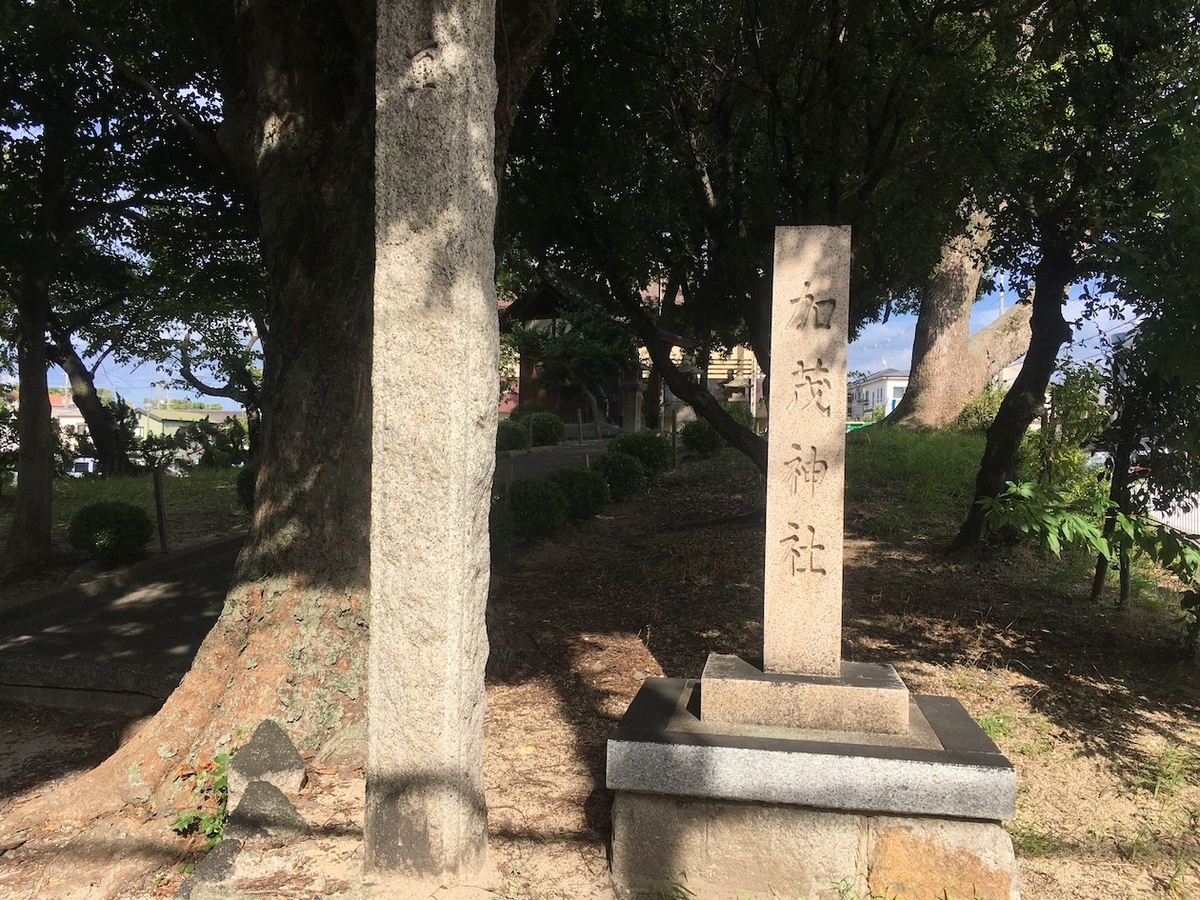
[808,306]
[803,550]
[806,468]
[810,386]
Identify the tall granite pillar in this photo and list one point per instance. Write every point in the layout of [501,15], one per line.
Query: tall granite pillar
[434,422]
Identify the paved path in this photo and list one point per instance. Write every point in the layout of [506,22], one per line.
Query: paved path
[123,643]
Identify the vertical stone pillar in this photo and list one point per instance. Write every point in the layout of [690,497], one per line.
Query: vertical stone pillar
[434,421]
[802,620]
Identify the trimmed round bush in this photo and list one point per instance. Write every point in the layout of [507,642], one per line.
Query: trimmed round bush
[246,478]
[587,491]
[510,435]
[548,429]
[625,474]
[112,532]
[525,410]
[739,411]
[501,528]
[650,448]
[701,437]
[539,507]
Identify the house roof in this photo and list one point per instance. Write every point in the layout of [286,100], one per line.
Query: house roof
[187,416]
[881,374]
[550,298]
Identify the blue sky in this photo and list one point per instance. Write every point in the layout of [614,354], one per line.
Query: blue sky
[880,345]
[888,345]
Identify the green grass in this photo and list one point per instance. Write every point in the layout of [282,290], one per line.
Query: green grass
[922,475]
[998,723]
[1031,840]
[203,491]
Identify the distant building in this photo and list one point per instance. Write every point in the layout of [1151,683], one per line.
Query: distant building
[882,389]
[168,421]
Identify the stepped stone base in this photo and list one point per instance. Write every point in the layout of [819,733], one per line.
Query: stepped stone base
[760,811]
[737,693]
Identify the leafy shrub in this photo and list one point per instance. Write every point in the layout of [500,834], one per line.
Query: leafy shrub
[701,437]
[548,429]
[501,528]
[510,435]
[587,491]
[739,411]
[980,410]
[246,478]
[649,447]
[525,410]
[625,474]
[539,507]
[113,532]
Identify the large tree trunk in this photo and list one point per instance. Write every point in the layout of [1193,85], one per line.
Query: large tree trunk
[29,534]
[523,31]
[102,429]
[949,367]
[291,641]
[1027,398]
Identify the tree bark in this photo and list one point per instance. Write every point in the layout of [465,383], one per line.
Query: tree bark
[1027,398]
[105,436]
[29,534]
[949,367]
[523,31]
[291,641]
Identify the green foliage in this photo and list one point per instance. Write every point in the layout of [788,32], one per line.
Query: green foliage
[584,350]
[700,437]
[511,435]
[1052,454]
[1035,510]
[548,429]
[672,887]
[247,478]
[739,411]
[8,436]
[525,410]
[112,532]
[210,792]
[998,723]
[1176,552]
[539,507]
[587,491]
[980,411]
[501,531]
[650,448]
[625,474]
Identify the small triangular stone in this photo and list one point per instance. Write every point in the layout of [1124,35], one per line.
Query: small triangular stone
[264,813]
[268,756]
[217,865]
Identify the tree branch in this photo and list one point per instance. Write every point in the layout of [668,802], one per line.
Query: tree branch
[206,142]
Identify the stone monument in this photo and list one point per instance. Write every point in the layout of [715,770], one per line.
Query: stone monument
[434,300]
[813,773]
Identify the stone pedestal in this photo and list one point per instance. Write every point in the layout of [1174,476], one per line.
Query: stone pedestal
[812,777]
[761,811]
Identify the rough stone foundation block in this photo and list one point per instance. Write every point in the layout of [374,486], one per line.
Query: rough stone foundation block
[720,849]
[864,697]
[917,858]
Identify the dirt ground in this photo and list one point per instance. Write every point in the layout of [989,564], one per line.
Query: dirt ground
[1094,705]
